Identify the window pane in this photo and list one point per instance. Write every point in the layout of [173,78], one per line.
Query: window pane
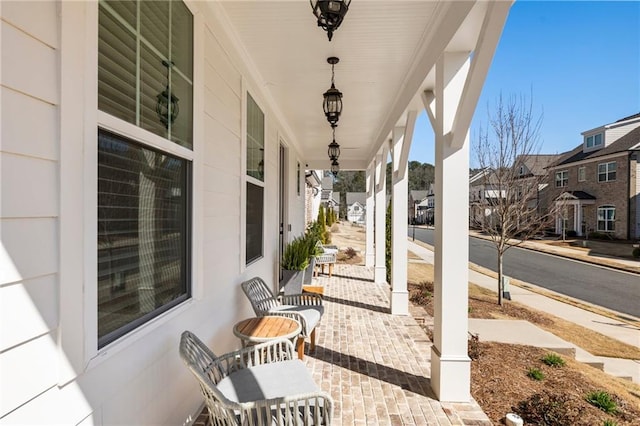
[125,9]
[597,139]
[143,234]
[589,141]
[255,203]
[116,68]
[181,128]
[182,39]
[154,22]
[153,82]
[255,140]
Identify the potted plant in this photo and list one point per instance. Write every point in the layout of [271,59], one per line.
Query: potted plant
[314,248]
[294,262]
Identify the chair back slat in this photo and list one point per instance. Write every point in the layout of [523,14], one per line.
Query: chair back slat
[260,295]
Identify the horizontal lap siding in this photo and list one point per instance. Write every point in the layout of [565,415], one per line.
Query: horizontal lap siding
[29,206]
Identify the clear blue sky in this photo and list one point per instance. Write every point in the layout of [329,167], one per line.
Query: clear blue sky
[579,60]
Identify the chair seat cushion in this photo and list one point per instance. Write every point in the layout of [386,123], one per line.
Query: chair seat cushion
[311,313]
[274,380]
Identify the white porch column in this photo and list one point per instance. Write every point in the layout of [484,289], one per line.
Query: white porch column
[450,364]
[380,275]
[401,144]
[577,221]
[369,258]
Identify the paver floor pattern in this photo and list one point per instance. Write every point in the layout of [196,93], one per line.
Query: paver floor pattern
[376,366]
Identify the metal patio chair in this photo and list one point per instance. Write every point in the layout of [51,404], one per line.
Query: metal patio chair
[258,385]
[306,308]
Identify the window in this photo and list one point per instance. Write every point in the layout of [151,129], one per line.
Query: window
[145,68]
[594,140]
[562,179]
[607,172]
[298,179]
[143,234]
[606,218]
[254,181]
[582,174]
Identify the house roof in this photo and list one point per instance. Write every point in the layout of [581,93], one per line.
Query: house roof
[356,197]
[537,164]
[624,143]
[577,195]
[417,195]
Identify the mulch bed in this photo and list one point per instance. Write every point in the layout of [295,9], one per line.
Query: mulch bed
[499,375]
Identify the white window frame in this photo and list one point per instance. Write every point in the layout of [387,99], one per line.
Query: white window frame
[582,173]
[563,182]
[245,178]
[590,141]
[608,207]
[607,171]
[79,122]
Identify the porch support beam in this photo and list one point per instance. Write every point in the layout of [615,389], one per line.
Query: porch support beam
[380,274]
[370,206]
[401,144]
[450,364]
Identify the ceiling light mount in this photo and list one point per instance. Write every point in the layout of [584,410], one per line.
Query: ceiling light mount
[330,13]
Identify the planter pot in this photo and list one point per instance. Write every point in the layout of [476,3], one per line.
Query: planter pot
[291,282]
[308,273]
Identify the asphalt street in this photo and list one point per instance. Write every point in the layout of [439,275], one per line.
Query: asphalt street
[616,290]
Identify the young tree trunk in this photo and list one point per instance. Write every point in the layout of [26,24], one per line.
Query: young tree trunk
[500,281]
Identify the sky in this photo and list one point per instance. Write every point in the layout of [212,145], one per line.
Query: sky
[579,63]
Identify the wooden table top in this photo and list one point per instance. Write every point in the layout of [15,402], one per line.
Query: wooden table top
[262,329]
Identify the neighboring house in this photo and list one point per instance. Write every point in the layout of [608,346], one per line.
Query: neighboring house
[483,192]
[597,185]
[329,199]
[425,208]
[415,197]
[356,207]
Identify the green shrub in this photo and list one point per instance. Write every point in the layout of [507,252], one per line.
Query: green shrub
[603,401]
[296,254]
[535,374]
[609,423]
[553,360]
[636,252]
[387,261]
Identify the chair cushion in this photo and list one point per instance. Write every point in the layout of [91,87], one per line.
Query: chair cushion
[311,313]
[274,380]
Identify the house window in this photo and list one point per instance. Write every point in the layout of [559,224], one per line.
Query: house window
[607,172]
[594,140]
[298,179]
[144,234]
[582,174]
[254,181]
[145,67]
[606,218]
[562,179]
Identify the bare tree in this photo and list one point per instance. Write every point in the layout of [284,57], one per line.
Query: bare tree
[507,151]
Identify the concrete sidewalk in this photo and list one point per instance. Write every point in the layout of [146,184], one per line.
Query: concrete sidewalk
[512,331]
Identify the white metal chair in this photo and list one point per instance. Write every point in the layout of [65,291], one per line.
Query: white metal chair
[306,308]
[259,385]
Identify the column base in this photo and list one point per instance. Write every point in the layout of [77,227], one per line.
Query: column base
[399,303]
[369,260]
[380,275]
[450,377]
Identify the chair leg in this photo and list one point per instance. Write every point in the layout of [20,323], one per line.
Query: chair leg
[312,345]
[300,347]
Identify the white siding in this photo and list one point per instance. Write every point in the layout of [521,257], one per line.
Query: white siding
[140,379]
[615,133]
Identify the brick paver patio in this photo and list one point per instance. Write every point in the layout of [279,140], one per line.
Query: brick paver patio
[376,366]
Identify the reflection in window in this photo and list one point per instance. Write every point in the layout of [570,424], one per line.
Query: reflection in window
[143,234]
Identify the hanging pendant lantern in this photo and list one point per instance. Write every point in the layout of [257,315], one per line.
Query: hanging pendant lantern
[330,13]
[335,167]
[167,106]
[334,149]
[332,104]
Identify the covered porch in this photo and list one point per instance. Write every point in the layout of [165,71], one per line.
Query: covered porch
[374,364]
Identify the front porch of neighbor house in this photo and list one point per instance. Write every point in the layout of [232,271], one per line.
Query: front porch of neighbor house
[376,365]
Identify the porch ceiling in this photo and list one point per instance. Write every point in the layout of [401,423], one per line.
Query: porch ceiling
[387,53]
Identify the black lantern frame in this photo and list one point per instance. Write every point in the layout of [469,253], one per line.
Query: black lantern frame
[332,104]
[335,167]
[334,148]
[330,13]
[167,106]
